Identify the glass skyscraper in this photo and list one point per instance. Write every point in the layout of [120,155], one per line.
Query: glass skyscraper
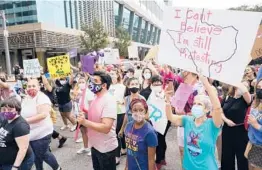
[76,13]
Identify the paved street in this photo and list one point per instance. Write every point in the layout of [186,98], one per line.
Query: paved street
[69,160]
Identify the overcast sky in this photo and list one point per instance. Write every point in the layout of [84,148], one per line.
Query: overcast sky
[215,4]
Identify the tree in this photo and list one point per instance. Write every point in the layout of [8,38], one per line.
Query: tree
[94,37]
[122,42]
[256,8]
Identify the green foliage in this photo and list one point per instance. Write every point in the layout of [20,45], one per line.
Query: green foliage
[124,40]
[94,37]
[256,8]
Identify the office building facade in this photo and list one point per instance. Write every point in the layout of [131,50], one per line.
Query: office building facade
[141,18]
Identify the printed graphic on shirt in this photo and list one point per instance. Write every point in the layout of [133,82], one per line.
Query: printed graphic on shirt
[132,144]
[3,134]
[193,145]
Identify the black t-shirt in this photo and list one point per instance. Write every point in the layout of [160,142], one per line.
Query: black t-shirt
[146,92]
[63,94]
[8,146]
[235,109]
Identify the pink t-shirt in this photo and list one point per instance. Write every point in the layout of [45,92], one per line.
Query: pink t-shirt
[103,107]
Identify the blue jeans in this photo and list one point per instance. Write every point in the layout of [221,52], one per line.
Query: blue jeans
[26,164]
[41,150]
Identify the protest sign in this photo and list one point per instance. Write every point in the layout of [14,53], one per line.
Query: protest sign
[257,48]
[217,41]
[72,53]
[111,56]
[181,96]
[157,113]
[133,52]
[31,68]
[59,66]
[88,63]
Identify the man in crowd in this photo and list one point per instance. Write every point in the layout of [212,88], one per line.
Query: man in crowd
[101,123]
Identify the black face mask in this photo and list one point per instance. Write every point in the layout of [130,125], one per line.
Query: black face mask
[3,79]
[259,93]
[134,89]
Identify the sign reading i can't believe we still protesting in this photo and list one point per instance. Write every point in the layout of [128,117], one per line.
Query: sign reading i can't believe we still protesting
[217,42]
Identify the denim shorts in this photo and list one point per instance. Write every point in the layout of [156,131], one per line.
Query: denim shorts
[65,108]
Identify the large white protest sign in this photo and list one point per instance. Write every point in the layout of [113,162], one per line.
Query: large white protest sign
[111,56]
[217,42]
[133,52]
[31,68]
[157,113]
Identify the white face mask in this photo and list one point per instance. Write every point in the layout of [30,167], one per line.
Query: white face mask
[82,86]
[157,89]
[138,117]
[147,76]
[63,82]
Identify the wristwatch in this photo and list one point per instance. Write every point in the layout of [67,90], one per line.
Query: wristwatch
[17,167]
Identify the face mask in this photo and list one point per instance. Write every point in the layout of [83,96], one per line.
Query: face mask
[197,111]
[32,92]
[138,117]
[259,93]
[147,76]
[95,88]
[63,82]
[156,89]
[134,89]
[82,86]
[3,79]
[129,75]
[8,115]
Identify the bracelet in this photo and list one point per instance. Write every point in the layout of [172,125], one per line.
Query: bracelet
[17,167]
[260,129]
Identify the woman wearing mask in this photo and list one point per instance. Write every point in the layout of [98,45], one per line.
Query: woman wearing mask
[36,109]
[80,105]
[14,146]
[145,87]
[255,130]
[200,132]
[133,87]
[49,90]
[64,102]
[234,134]
[117,89]
[141,139]
[157,95]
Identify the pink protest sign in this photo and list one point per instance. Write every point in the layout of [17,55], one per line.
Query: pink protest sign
[181,96]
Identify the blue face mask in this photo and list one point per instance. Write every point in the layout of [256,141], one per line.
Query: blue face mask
[197,111]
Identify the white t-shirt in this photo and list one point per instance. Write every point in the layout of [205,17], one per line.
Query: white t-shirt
[118,91]
[29,108]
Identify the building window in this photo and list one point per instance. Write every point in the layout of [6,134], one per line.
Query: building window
[148,33]
[143,25]
[116,13]
[126,18]
[135,27]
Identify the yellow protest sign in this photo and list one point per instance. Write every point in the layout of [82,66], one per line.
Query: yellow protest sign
[59,66]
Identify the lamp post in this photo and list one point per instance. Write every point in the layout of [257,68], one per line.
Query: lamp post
[7,54]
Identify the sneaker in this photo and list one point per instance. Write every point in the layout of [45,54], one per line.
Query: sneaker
[65,127]
[62,142]
[73,128]
[80,140]
[163,162]
[84,150]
